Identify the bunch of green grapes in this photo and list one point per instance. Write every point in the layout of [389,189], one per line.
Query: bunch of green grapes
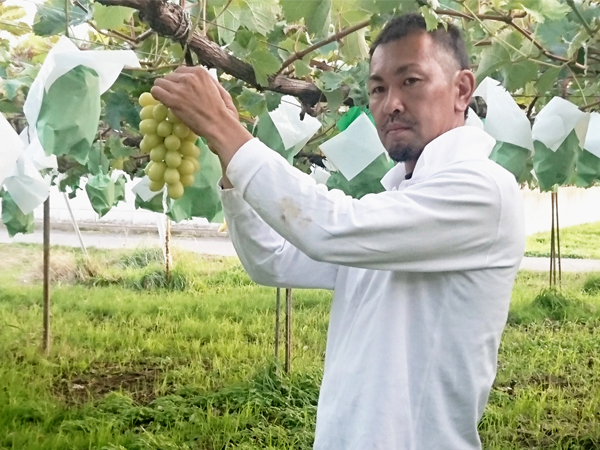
[171,145]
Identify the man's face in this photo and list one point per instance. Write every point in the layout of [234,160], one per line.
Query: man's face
[413,94]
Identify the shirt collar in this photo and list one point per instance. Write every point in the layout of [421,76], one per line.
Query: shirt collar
[459,144]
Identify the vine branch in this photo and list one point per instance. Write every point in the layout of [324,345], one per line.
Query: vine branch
[334,37]
[165,18]
[509,19]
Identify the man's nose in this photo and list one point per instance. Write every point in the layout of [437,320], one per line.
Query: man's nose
[394,102]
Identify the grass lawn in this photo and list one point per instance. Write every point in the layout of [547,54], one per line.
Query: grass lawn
[581,241]
[138,363]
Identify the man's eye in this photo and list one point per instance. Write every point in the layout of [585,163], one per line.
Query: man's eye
[377,90]
[410,81]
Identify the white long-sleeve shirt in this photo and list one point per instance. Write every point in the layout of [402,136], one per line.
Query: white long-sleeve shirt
[422,276]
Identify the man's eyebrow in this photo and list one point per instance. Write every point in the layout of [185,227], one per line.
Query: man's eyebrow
[399,71]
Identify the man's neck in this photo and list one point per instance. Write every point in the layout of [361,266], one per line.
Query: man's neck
[409,166]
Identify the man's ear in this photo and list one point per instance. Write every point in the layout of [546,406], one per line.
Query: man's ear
[465,84]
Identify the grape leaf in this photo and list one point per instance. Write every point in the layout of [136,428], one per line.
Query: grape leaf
[120,107]
[101,193]
[316,13]
[493,59]
[542,9]
[335,99]
[547,80]
[117,149]
[229,22]
[431,18]
[518,74]
[13,218]
[50,17]
[111,17]
[252,102]
[259,16]
[264,64]
[12,87]
[330,81]
[273,100]
[301,69]
[97,162]
[355,47]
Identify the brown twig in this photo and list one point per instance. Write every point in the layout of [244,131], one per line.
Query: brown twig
[540,47]
[111,33]
[223,10]
[321,65]
[334,37]
[509,20]
[531,105]
[498,18]
[145,35]
[589,106]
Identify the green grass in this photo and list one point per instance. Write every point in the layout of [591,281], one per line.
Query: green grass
[141,362]
[581,241]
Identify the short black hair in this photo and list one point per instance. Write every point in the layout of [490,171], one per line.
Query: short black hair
[448,38]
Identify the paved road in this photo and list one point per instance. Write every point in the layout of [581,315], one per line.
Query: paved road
[222,246]
[204,245]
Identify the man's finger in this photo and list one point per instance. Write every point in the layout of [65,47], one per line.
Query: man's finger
[176,77]
[161,93]
[225,95]
[195,70]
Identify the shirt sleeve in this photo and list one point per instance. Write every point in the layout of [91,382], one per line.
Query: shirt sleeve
[268,258]
[448,222]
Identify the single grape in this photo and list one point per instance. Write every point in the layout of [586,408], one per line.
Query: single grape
[187,180]
[156,171]
[146,99]
[152,140]
[173,159]
[192,137]
[171,176]
[175,190]
[145,145]
[189,149]
[172,117]
[194,161]
[147,112]
[172,143]
[148,126]
[181,130]
[158,153]
[164,129]
[186,167]
[160,112]
[147,168]
[156,186]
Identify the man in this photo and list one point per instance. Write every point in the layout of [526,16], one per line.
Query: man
[422,273]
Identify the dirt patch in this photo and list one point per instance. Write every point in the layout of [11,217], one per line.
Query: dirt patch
[139,382]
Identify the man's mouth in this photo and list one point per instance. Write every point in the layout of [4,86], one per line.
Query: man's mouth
[396,129]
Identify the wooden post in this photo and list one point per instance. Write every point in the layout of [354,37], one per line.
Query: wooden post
[552,246]
[168,258]
[46,339]
[288,330]
[555,255]
[558,241]
[277,320]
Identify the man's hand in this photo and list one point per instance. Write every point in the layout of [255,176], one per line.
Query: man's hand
[204,106]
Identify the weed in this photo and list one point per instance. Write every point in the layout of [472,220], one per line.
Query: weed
[592,285]
[141,364]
